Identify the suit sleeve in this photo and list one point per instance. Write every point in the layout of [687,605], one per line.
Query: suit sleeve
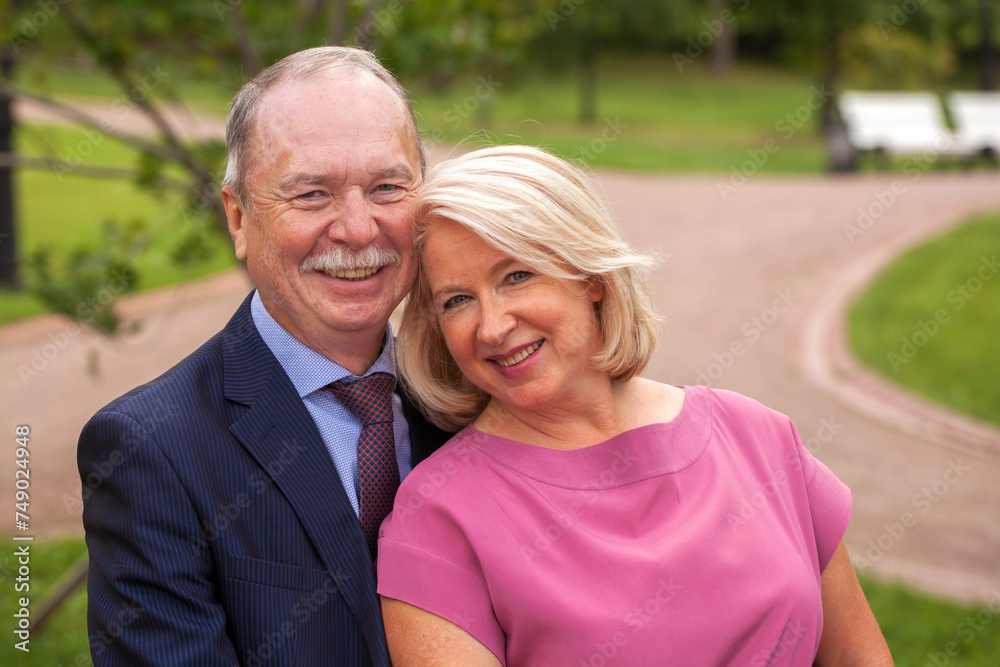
[152,595]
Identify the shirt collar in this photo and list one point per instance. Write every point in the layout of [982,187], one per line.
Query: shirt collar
[306,368]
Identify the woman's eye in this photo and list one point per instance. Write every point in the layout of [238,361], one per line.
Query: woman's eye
[456,300]
[519,276]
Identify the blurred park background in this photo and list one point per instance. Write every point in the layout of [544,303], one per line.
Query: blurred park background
[111,151]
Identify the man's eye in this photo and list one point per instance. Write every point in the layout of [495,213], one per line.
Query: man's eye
[387,187]
[312,194]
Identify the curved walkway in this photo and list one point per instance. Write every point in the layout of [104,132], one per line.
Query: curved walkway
[753,286]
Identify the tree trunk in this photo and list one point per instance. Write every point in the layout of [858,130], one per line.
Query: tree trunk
[988,59]
[367,28]
[724,49]
[338,20]
[251,60]
[588,85]
[830,71]
[9,278]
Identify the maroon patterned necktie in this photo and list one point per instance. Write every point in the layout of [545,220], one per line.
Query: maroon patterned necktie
[370,400]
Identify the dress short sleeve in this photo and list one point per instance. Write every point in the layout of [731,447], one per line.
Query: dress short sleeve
[425,557]
[829,502]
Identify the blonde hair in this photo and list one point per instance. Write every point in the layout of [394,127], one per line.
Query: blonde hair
[544,211]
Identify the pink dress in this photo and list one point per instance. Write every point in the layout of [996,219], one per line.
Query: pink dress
[695,542]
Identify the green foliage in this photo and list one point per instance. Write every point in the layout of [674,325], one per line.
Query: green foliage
[83,284]
[908,59]
[930,321]
[64,212]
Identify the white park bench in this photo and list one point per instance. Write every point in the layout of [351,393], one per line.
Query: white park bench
[977,120]
[893,123]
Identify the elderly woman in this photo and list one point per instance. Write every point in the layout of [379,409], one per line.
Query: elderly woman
[583,515]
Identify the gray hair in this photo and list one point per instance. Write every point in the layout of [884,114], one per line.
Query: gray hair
[243,112]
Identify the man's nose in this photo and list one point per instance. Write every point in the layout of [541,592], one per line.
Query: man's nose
[355,225]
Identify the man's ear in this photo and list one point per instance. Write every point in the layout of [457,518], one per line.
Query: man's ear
[236,218]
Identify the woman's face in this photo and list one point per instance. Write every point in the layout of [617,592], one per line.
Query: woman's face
[524,338]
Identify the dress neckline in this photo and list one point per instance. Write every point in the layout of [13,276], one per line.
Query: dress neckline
[629,457]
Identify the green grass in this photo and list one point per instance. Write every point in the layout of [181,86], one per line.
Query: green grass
[63,641]
[650,117]
[67,210]
[916,626]
[668,120]
[924,631]
[930,321]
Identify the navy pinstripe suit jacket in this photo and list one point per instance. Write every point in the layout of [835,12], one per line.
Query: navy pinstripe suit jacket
[218,528]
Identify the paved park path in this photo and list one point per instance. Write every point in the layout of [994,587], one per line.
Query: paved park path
[753,286]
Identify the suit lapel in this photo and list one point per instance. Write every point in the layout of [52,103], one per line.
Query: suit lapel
[425,437]
[279,433]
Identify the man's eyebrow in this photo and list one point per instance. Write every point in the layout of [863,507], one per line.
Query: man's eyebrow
[396,171]
[294,180]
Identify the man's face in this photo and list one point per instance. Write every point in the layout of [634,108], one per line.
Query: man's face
[327,236]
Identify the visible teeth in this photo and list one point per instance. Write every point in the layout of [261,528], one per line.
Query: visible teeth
[520,356]
[355,274]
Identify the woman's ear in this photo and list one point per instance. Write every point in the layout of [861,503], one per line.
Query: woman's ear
[595,289]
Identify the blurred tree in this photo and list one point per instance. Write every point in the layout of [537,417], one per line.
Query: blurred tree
[9,270]
[130,41]
[579,32]
[988,60]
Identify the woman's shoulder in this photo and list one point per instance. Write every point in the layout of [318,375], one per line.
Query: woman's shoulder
[728,404]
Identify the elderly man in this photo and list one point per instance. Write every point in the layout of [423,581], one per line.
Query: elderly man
[232,504]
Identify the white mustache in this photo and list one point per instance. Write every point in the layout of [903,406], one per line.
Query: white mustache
[342,258]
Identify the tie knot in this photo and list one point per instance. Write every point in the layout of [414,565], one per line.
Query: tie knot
[369,399]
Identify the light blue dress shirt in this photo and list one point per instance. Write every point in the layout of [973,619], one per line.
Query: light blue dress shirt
[309,371]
